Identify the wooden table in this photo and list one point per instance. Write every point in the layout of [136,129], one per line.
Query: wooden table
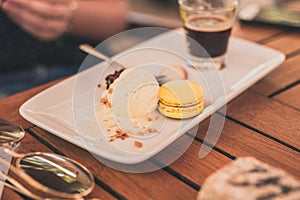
[263,122]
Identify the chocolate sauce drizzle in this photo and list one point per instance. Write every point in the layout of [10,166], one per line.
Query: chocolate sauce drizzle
[112,77]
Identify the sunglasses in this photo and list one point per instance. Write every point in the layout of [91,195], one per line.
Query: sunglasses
[49,175]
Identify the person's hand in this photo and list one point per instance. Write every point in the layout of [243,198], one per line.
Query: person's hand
[44,19]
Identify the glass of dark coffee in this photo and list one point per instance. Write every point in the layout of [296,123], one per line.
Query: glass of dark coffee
[207,24]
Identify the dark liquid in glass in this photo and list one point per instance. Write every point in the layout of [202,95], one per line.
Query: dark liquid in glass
[210,32]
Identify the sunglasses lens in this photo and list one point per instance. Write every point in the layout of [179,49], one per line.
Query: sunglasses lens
[58,173]
[10,133]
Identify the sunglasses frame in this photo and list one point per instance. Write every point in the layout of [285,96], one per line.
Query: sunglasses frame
[31,181]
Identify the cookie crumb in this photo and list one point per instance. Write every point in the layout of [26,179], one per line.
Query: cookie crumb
[119,135]
[103,100]
[138,144]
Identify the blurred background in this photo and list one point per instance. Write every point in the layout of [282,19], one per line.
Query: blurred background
[142,13]
[155,13]
[165,12]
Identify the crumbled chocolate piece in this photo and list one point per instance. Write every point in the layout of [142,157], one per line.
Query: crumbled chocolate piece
[103,101]
[138,144]
[112,77]
[119,135]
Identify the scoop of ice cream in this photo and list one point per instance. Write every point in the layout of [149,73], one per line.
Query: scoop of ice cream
[134,94]
[143,100]
[132,97]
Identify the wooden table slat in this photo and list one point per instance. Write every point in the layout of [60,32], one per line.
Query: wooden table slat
[290,97]
[254,33]
[268,116]
[286,74]
[9,194]
[239,141]
[189,164]
[287,42]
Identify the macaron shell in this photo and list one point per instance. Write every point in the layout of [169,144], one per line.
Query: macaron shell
[180,112]
[180,99]
[180,93]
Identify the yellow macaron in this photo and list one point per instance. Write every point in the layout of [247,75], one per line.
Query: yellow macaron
[180,99]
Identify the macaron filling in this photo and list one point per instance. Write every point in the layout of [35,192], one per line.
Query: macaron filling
[180,112]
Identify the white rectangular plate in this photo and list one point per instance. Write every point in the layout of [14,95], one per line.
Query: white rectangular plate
[55,109]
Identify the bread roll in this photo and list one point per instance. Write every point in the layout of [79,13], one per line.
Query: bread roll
[249,179]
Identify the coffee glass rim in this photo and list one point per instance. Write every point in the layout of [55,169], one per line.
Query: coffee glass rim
[184,4]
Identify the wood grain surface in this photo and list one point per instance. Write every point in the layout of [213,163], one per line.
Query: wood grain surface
[286,42]
[290,97]
[268,116]
[285,75]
